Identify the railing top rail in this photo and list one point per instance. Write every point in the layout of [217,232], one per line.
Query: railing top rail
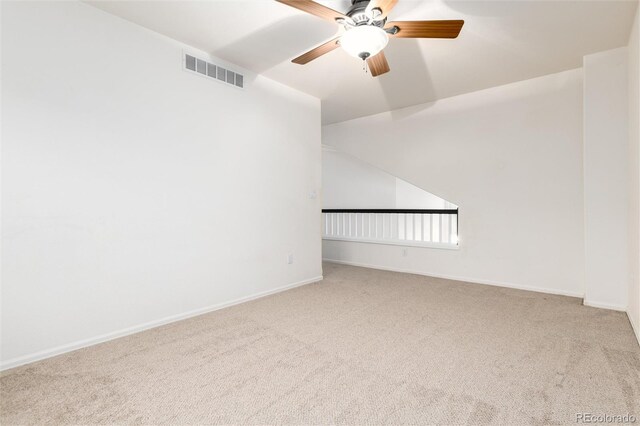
[397,211]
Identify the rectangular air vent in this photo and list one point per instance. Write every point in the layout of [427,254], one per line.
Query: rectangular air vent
[190,62]
[201,66]
[215,72]
[211,70]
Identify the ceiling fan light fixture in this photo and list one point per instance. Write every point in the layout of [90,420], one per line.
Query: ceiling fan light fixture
[364,41]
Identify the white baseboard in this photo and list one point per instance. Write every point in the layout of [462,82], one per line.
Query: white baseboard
[601,305]
[635,327]
[457,278]
[59,350]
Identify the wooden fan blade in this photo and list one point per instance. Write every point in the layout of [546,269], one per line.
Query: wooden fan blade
[385,7]
[426,29]
[314,8]
[378,64]
[317,52]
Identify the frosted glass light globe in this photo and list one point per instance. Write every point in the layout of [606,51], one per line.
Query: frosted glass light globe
[364,41]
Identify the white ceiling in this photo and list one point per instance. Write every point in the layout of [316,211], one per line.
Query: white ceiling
[501,42]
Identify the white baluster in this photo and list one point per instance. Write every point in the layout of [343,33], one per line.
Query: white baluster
[454,227]
[444,237]
[334,224]
[384,227]
[434,230]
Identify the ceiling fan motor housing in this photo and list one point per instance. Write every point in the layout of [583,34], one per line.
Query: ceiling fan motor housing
[360,16]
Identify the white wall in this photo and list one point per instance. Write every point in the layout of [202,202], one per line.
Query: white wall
[510,157]
[606,178]
[409,196]
[135,192]
[633,60]
[349,183]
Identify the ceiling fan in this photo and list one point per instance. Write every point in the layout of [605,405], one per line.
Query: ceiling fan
[366,30]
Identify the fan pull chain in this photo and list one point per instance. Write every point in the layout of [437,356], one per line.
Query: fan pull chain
[364,66]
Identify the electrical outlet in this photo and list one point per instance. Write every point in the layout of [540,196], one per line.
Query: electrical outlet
[405,252]
[290,258]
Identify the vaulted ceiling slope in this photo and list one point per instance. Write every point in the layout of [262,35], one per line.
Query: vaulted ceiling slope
[501,42]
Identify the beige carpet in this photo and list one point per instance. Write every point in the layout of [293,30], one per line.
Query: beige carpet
[361,347]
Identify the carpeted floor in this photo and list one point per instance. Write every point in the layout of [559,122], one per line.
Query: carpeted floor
[361,347]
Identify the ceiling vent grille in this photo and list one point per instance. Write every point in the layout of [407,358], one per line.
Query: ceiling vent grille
[215,72]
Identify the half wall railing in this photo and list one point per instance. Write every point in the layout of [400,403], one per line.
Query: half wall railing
[411,227]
